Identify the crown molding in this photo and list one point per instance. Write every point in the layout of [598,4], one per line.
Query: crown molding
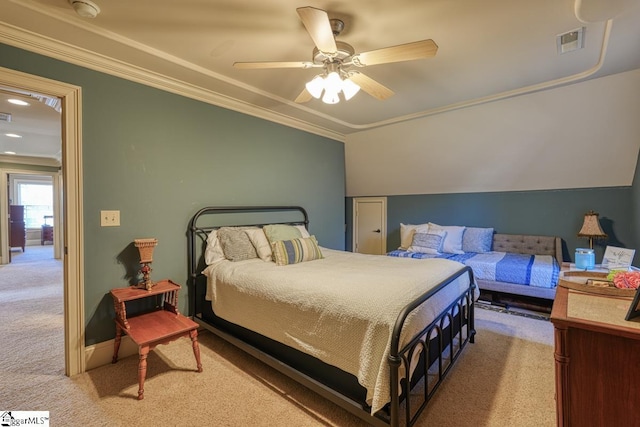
[33,161]
[46,46]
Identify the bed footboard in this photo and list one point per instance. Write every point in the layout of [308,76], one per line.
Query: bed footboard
[450,332]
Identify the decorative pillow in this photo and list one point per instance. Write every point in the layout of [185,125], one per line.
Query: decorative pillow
[236,244]
[428,243]
[476,239]
[303,230]
[259,241]
[213,252]
[275,232]
[406,234]
[287,252]
[453,240]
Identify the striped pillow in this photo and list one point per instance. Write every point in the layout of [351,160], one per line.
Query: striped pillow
[287,252]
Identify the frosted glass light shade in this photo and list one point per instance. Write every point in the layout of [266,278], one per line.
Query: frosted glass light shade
[349,89]
[315,86]
[333,83]
[330,97]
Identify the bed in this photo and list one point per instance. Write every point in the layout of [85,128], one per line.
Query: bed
[375,335]
[517,264]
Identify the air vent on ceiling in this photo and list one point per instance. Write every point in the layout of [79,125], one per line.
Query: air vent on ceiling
[570,41]
[5,117]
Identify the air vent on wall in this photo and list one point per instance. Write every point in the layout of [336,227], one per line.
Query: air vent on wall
[5,117]
[570,41]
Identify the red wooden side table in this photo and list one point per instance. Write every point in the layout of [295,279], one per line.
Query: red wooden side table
[160,326]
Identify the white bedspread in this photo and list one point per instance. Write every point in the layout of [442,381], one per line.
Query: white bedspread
[340,309]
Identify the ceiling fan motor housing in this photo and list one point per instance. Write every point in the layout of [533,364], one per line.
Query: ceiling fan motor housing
[344,51]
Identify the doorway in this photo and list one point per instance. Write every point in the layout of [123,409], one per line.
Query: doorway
[71,239]
[38,195]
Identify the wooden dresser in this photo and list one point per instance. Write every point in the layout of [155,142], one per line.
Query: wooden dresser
[597,360]
[18,231]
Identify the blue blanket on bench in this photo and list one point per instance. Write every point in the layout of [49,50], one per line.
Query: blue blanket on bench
[529,270]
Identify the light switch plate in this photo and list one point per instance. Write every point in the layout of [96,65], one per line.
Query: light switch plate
[109,218]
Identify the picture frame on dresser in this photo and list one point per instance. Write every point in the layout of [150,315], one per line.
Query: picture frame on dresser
[634,308]
[618,258]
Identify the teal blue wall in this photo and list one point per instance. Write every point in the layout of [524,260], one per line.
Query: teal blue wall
[159,157]
[553,213]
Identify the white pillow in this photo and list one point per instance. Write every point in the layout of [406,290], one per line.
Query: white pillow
[260,242]
[303,231]
[453,240]
[428,243]
[213,252]
[406,234]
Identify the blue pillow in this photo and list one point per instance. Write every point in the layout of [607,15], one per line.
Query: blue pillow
[476,239]
[428,243]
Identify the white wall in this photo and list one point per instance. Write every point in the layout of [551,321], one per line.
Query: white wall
[579,136]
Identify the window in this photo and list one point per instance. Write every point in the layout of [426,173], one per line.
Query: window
[37,198]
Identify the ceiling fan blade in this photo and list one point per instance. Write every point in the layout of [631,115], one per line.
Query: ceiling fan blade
[316,21]
[371,86]
[404,52]
[274,64]
[304,96]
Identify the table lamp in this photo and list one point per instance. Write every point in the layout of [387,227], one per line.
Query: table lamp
[591,228]
[145,247]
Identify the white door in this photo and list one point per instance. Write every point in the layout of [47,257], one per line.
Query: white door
[370,225]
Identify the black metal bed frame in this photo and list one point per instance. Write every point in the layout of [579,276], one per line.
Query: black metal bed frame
[438,352]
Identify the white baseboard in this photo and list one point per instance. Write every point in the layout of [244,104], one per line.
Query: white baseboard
[102,353]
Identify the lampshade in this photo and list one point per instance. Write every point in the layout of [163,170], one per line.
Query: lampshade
[330,97]
[349,89]
[145,248]
[591,228]
[315,86]
[333,82]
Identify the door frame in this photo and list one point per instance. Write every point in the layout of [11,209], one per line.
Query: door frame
[383,226]
[72,218]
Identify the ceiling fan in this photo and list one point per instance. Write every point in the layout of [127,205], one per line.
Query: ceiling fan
[337,59]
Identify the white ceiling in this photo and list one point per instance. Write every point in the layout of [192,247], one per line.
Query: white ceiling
[488,50]
[38,124]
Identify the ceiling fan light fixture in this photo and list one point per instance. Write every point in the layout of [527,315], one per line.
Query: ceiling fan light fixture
[315,86]
[349,89]
[333,82]
[330,97]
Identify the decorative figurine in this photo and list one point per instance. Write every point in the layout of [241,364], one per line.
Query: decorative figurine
[145,247]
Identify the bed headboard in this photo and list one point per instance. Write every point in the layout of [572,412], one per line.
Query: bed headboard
[528,244]
[214,217]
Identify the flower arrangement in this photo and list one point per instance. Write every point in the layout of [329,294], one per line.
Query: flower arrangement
[625,279]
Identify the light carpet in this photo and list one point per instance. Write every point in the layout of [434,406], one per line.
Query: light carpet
[506,378]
